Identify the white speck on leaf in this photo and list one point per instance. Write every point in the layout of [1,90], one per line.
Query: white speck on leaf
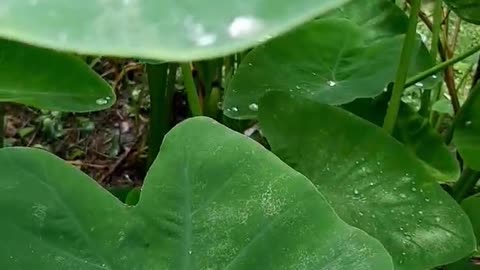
[244,26]
[331,83]
[253,107]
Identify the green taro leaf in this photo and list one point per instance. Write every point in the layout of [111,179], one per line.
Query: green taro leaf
[370,179]
[50,80]
[154,29]
[471,205]
[221,202]
[413,131]
[351,53]
[468,10]
[467,130]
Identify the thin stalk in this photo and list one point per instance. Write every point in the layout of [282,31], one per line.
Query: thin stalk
[436,27]
[456,32]
[402,72]
[434,70]
[465,184]
[2,126]
[191,89]
[159,109]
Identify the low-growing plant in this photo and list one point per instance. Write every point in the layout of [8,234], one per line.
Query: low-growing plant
[365,156]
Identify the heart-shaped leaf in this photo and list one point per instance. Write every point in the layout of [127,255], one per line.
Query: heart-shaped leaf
[220,201]
[413,131]
[370,179]
[351,53]
[467,130]
[468,10]
[154,29]
[50,80]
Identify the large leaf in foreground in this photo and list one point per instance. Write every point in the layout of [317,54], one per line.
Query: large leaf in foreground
[468,10]
[467,130]
[413,131]
[50,80]
[370,179]
[349,54]
[218,202]
[154,29]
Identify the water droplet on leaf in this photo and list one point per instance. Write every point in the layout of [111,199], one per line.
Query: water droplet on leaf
[331,83]
[253,107]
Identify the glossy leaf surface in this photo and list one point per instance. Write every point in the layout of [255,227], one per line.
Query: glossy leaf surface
[220,202]
[370,179]
[154,29]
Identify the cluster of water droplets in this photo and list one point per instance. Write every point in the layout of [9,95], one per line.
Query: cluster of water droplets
[103,101]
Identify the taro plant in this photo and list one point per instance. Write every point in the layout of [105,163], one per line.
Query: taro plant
[344,173]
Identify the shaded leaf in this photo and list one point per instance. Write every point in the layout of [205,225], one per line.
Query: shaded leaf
[370,179]
[50,80]
[154,29]
[467,130]
[468,10]
[220,202]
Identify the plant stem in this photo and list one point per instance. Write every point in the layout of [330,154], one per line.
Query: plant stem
[191,89]
[159,108]
[432,71]
[2,126]
[465,184]
[402,72]
[434,49]
[436,27]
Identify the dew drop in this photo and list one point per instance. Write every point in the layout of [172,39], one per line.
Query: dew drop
[404,254]
[253,107]
[235,109]
[314,73]
[298,87]
[101,101]
[419,84]
[434,76]
[420,212]
[468,123]
[360,213]
[437,219]
[356,192]
[402,195]
[244,26]
[190,252]
[331,83]
[414,189]
[427,199]
[371,184]
[402,229]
